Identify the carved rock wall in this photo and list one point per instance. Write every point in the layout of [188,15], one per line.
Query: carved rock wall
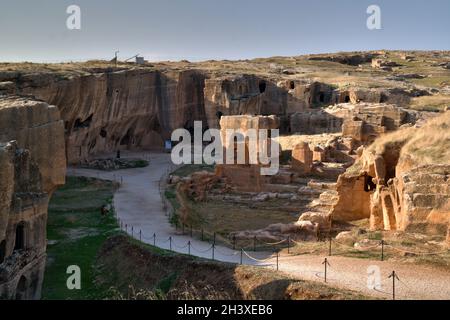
[131,109]
[31,168]
[396,187]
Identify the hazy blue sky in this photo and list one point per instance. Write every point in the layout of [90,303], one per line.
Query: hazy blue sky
[35,30]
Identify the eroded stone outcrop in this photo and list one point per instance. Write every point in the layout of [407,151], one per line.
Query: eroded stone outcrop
[32,166]
[129,109]
[363,122]
[401,182]
[244,172]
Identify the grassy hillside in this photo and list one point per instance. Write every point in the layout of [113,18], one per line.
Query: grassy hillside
[76,231]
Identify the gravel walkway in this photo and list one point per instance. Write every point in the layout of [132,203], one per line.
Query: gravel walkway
[138,203]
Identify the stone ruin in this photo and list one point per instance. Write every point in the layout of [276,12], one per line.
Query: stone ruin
[246,176]
[395,196]
[104,111]
[29,132]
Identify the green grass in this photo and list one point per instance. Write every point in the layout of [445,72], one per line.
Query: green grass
[76,231]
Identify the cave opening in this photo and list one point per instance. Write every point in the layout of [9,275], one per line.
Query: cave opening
[369,185]
[292,85]
[262,87]
[219,115]
[103,133]
[2,251]
[126,138]
[155,125]
[83,124]
[347,99]
[321,97]
[189,127]
[391,157]
[20,237]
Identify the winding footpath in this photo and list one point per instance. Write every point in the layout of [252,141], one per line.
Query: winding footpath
[139,205]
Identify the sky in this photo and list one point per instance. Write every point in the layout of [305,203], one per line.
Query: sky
[35,30]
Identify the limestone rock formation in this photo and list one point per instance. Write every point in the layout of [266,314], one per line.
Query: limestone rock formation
[23,218]
[244,174]
[401,181]
[363,121]
[37,127]
[302,158]
[129,109]
[31,168]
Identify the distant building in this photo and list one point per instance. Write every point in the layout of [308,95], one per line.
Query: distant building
[140,60]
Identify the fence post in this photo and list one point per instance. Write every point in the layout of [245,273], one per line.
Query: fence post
[126,228]
[393,276]
[189,247]
[213,247]
[140,235]
[234,242]
[154,239]
[382,250]
[326,265]
[170,243]
[242,254]
[132,231]
[121,226]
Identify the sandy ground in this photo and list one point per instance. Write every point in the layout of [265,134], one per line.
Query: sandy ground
[139,205]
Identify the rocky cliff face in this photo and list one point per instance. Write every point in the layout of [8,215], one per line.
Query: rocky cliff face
[363,121]
[131,109]
[107,110]
[36,126]
[31,167]
[139,108]
[401,182]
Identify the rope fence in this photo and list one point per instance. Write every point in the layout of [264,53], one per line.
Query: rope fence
[241,247]
[243,256]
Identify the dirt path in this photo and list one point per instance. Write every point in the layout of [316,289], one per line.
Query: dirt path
[138,203]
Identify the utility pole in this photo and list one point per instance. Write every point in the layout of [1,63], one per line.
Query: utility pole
[116,57]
